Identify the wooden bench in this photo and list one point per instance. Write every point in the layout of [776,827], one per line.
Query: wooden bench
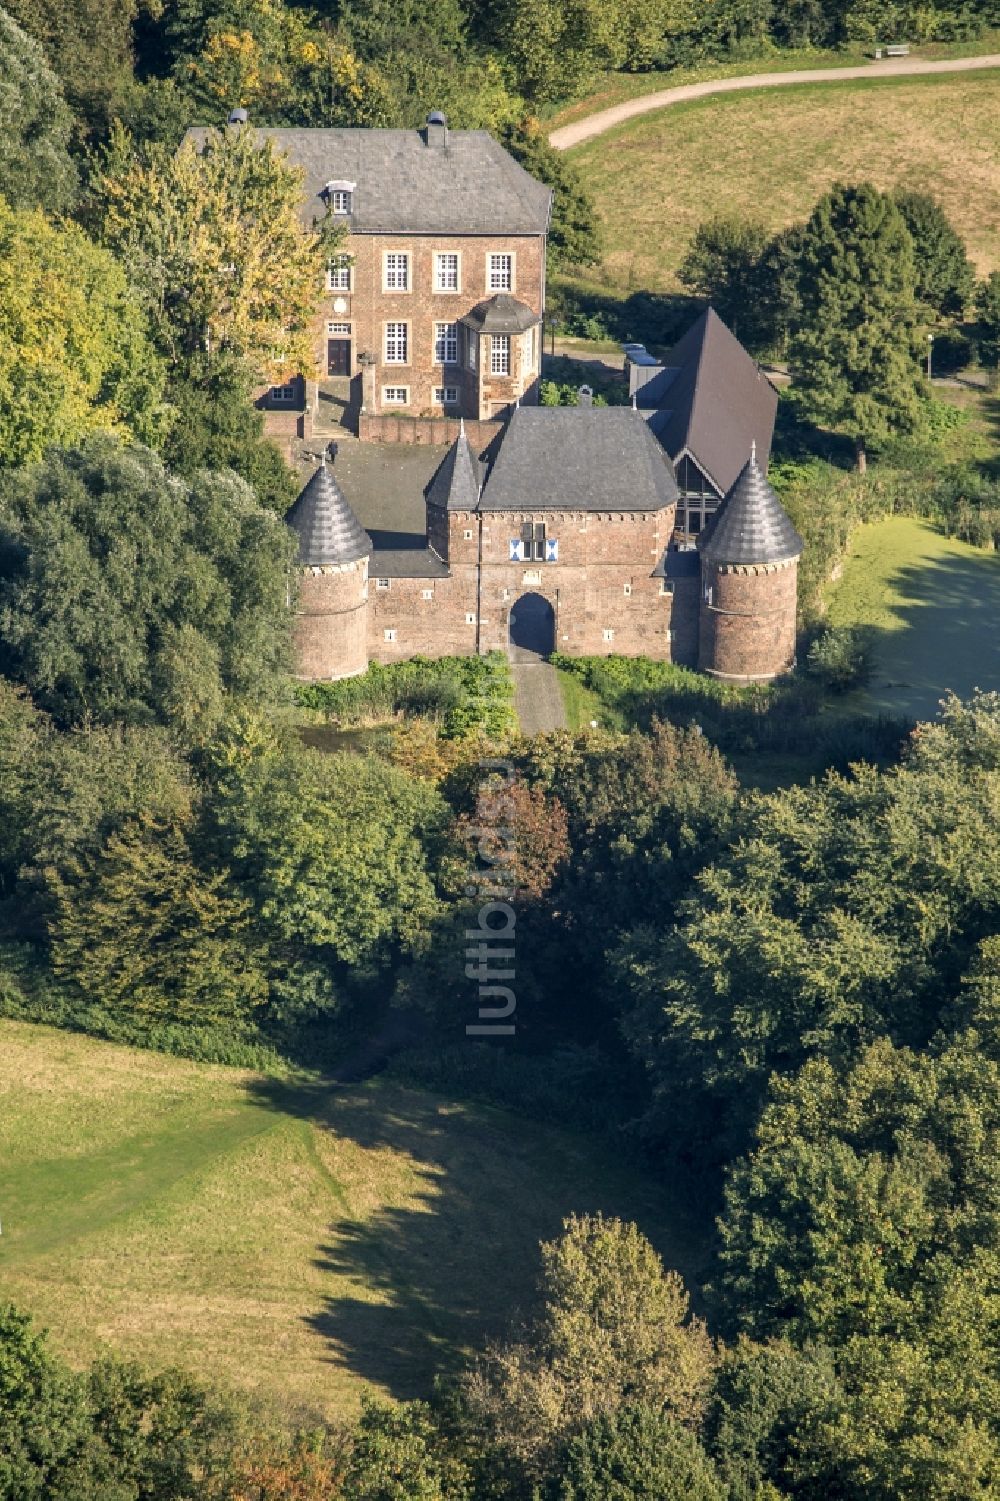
[894,49]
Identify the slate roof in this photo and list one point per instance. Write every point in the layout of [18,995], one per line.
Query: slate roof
[407,563]
[711,398]
[458,479]
[327,528]
[581,459]
[751,525]
[469,185]
[501,314]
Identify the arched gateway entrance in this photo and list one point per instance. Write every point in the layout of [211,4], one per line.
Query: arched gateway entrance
[532,629]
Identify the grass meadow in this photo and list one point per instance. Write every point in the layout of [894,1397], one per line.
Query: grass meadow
[771,154]
[929,606]
[296,1239]
[614,88]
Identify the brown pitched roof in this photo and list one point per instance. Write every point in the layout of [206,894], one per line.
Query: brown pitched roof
[711,398]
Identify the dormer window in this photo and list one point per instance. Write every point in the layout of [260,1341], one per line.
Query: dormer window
[339,197]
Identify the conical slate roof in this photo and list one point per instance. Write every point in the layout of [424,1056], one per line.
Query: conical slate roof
[327,528]
[500,314]
[456,483]
[751,525]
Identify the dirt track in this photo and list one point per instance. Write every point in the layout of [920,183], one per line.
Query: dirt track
[607,119]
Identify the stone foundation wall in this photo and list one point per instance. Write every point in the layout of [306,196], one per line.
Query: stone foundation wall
[748,626]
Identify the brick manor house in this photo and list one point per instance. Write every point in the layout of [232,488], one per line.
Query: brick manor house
[434,307]
[648,529]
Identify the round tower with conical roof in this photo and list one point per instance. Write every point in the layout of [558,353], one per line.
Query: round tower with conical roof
[749,583]
[331,627]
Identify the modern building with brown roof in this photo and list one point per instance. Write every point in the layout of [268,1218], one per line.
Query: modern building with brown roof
[708,402]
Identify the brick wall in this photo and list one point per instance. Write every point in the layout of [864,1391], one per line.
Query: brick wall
[747,630]
[389,427]
[367,308]
[602,583]
[434,627]
[332,620]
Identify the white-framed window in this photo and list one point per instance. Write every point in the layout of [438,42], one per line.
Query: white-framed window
[500,354]
[467,535]
[446,396]
[389,635]
[396,396]
[446,268]
[340,200]
[397,271]
[427,594]
[608,633]
[284,393]
[473,342]
[341,329]
[500,273]
[381,583]
[628,588]
[397,343]
[470,619]
[446,343]
[338,275]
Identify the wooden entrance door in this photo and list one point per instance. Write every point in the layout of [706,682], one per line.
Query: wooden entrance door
[338,356]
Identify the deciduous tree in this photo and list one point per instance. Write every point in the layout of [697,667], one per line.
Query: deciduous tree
[214,246]
[74,355]
[36,170]
[130,595]
[144,934]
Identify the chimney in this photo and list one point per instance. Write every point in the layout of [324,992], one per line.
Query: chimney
[585,396]
[237,117]
[436,129]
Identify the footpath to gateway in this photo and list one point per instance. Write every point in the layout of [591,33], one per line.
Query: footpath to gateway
[607,119]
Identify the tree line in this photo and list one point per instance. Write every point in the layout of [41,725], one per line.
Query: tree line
[853,298]
[339,62]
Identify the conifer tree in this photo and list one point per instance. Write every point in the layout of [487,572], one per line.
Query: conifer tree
[854,354]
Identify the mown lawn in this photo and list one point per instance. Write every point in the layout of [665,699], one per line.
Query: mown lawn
[292,1239]
[771,154]
[930,605]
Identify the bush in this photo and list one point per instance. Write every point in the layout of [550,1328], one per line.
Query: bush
[463,695]
[840,659]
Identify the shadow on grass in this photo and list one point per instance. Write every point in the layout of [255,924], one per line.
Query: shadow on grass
[946,640]
[433,1277]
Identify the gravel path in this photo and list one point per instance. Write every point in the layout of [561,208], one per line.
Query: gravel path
[537,697]
[607,119]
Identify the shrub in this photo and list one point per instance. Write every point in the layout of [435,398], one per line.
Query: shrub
[463,695]
[839,658]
